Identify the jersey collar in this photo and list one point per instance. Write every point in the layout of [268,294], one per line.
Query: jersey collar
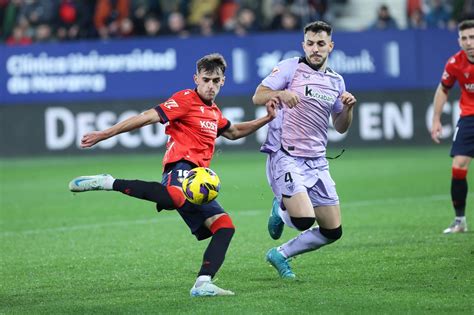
[303,60]
[205,102]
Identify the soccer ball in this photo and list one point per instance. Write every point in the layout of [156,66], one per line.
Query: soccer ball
[201,185]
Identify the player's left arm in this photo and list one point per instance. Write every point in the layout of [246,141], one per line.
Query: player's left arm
[243,129]
[342,120]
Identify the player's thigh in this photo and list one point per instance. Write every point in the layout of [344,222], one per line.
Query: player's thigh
[328,217]
[324,192]
[463,142]
[287,175]
[299,205]
[461,161]
[175,173]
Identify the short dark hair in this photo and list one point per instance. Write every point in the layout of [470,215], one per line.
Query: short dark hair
[464,25]
[211,63]
[318,26]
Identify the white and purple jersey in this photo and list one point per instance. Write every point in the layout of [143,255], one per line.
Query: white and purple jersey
[305,126]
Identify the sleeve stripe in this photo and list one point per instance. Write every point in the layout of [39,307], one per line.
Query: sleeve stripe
[223,129]
[162,114]
[447,87]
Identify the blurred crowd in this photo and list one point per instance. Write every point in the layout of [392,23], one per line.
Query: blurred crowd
[27,21]
[424,14]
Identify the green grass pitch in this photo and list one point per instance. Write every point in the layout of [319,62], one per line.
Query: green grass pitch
[102,252]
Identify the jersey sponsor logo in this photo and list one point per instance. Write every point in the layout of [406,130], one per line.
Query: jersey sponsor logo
[469,87]
[208,126]
[170,104]
[322,97]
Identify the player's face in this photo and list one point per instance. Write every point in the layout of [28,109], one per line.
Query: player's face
[317,47]
[466,41]
[209,84]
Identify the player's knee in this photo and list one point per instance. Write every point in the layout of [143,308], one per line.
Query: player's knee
[168,197]
[176,195]
[223,222]
[332,234]
[304,223]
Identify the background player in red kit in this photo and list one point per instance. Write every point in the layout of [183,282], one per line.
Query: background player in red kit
[459,67]
[194,122]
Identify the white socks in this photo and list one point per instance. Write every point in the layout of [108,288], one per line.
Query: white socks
[306,241]
[108,183]
[201,279]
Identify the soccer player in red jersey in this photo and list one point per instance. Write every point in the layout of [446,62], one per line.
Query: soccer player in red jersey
[459,67]
[193,123]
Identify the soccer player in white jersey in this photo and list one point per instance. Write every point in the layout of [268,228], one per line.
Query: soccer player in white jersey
[297,170]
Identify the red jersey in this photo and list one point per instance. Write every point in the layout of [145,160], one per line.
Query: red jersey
[193,127]
[461,69]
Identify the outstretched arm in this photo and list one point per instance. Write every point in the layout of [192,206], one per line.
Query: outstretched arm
[245,128]
[342,121]
[264,94]
[440,98]
[148,117]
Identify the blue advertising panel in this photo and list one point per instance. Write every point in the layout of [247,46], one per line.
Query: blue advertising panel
[156,68]
[434,50]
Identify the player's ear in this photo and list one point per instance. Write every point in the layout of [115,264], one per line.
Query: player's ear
[222,81]
[331,46]
[195,77]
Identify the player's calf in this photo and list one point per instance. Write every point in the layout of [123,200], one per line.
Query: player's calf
[222,230]
[165,197]
[310,240]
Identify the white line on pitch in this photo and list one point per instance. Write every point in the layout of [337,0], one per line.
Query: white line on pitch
[236,214]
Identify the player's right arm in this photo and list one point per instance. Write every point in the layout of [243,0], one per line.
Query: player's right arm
[264,94]
[146,118]
[440,98]
[276,83]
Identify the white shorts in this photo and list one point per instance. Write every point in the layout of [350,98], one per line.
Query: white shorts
[289,175]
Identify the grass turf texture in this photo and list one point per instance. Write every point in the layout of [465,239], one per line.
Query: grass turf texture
[102,252]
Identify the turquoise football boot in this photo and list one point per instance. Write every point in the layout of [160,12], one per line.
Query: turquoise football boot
[276,259]
[275,223]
